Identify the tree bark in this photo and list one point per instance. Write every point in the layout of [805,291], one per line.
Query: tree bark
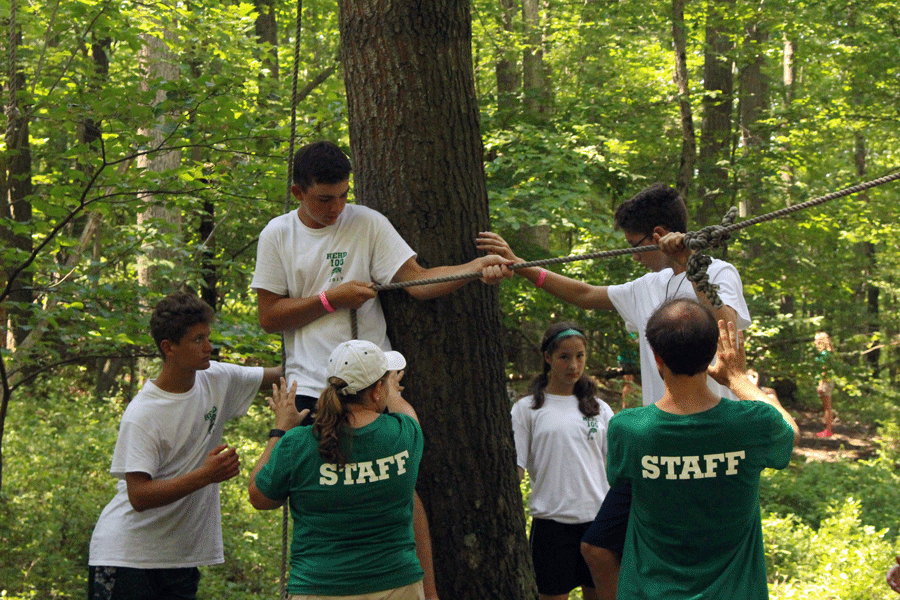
[688,137]
[266,28]
[157,220]
[788,76]
[754,101]
[17,188]
[417,155]
[508,78]
[868,261]
[535,86]
[715,131]
[868,257]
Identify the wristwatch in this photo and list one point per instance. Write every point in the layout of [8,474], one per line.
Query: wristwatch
[276,433]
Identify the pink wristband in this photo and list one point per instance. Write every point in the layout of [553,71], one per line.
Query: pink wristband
[325,303]
[541,278]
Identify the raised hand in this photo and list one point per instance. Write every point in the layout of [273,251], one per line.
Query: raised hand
[731,361]
[282,404]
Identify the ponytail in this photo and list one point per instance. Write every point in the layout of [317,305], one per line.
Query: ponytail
[586,392]
[331,423]
[536,389]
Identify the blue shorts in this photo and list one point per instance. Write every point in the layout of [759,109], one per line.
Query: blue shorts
[609,526]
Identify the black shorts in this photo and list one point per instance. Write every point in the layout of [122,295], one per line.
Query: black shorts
[306,402]
[556,551]
[127,583]
[609,527]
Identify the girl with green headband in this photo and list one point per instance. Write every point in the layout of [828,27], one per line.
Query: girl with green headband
[560,436]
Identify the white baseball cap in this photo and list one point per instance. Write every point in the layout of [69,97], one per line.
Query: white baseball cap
[359,363]
[396,361]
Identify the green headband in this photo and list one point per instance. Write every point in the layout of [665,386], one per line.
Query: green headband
[564,334]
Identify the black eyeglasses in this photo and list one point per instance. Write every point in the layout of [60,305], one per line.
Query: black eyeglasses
[640,241]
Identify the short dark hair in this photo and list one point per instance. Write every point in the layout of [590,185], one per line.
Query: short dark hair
[320,162]
[175,314]
[684,334]
[656,206]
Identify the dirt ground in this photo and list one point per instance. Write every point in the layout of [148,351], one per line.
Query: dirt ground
[851,440]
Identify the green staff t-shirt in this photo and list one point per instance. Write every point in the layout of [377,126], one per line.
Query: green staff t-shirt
[694,530]
[353,526]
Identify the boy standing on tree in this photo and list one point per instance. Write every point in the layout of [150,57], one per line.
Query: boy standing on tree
[694,460]
[656,215]
[165,519]
[316,263]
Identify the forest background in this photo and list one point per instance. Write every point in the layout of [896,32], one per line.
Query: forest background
[146,146]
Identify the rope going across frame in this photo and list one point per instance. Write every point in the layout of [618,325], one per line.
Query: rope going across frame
[709,237]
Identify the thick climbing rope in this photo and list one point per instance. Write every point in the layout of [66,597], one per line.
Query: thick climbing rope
[287,206]
[708,237]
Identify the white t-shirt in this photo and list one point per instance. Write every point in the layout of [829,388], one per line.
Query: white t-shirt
[564,453]
[297,261]
[637,300]
[166,435]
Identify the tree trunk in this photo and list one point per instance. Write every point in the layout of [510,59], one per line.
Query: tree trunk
[715,133]
[688,137]
[17,191]
[158,221]
[89,133]
[267,33]
[788,76]
[508,78]
[15,205]
[754,101]
[417,155]
[535,85]
[868,260]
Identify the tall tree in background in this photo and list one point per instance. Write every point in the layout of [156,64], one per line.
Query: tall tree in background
[158,220]
[266,28]
[535,84]
[787,303]
[16,182]
[508,78]
[417,154]
[15,207]
[685,175]
[868,257]
[716,128]
[754,133]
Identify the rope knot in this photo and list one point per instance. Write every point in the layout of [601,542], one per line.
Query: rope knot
[713,236]
[696,272]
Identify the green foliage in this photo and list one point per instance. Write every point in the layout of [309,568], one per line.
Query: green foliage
[841,559]
[57,481]
[612,126]
[808,491]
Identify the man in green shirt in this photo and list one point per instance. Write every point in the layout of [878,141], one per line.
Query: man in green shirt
[693,460]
